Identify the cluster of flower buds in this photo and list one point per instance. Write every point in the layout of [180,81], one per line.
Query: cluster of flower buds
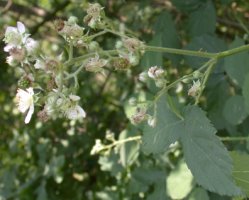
[155,73]
[94,17]
[141,115]
[71,31]
[19,45]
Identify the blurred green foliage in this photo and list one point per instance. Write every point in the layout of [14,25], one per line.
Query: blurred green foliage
[52,161]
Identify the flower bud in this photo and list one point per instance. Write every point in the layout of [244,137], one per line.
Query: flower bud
[119,44]
[143,77]
[95,64]
[160,83]
[139,116]
[134,60]
[132,44]
[24,82]
[156,72]
[93,46]
[72,20]
[121,63]
[195,89]
[197,74]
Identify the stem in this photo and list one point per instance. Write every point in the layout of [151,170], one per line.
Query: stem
[206,76]
[98,34]
[118,142]
[233,138]
[70,53]
[233,51]
[180,51]
[82,58]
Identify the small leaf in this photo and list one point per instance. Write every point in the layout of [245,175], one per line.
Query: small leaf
[237,65]
[234,110]
[245,91]
[187,5]
[167,129]
[202,20]
[179,183]
[206,156]
[241,170]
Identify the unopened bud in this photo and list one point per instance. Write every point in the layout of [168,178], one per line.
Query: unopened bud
[72,20]
[160,83]
[143,77]
[139,116]
[134,60]
[197,74]
[93,46]
[121,63]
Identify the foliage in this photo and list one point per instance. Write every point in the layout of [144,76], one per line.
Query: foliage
[129,100]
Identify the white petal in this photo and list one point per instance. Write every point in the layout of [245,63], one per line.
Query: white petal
[29,115]
[81,112]
[30,91]
[8,47]
[10,29]
[20,27]
[74,97]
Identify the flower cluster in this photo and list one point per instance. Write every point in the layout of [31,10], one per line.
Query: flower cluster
[95,64]
[155,73]
[19,45]
[94,16]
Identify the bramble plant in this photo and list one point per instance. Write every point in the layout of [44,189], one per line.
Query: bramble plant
[169,136]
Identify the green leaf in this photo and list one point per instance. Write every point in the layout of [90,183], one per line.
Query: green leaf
[159,192]
[234,110]
[202,20]
[237,65]
[241,170]
[167,129]
[245,92]
[206,156]
[153,58]
[165,28]
[182,178]
[199,194]
[129,151]
[188,5]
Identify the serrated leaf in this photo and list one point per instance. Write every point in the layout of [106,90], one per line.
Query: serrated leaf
[182,178]
[205,155]
[167,129]
[237,65]
[234,110]
[245,92]
[203,20]
[128,151]
[241,170]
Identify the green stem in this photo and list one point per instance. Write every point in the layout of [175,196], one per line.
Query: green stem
[98,34]
[82,58]
[179,51]
[70,54]
[233,51]
[233,138]
[205,79]
[118,142]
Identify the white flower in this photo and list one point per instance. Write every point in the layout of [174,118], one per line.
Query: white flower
[25,102]
[194,90]
[31,46]
[97,147]
[155,72]
[75,112]
[15,36]
[152,122]
[143,77]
